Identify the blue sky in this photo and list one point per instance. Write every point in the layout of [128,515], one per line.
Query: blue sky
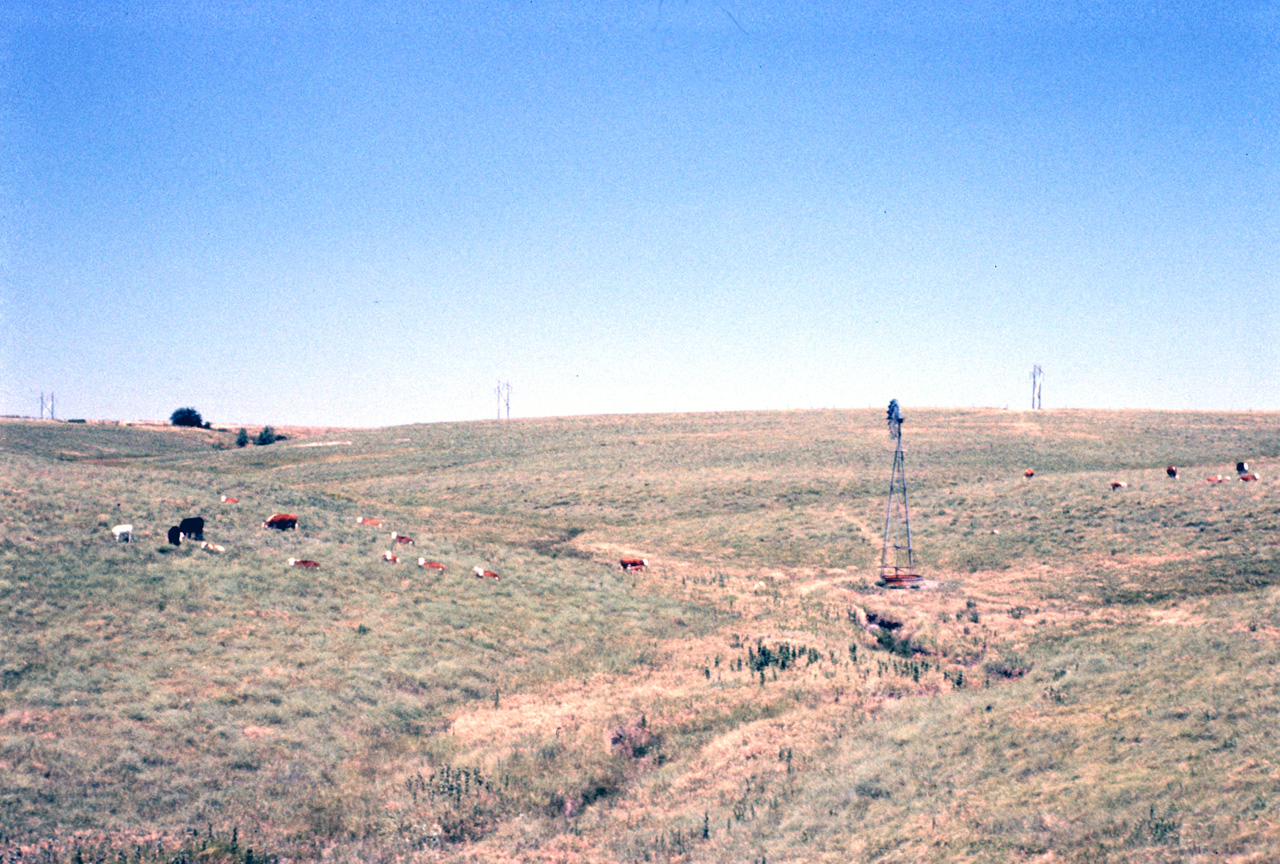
[367,214]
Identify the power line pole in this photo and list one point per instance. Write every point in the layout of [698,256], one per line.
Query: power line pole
[503,392]
[52,416]
[1037,382]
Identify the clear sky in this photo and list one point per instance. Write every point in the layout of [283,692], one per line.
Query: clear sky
[368,213]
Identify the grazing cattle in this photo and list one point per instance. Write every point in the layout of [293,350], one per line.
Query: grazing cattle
[482,573]
[124,533]
[365,520]
[192,528]
[430,565]
[1216,478]
[634,563]
[282,522]
[1242,467]
[175,536]
[390,557]
[1029,473]
[402,539]
[1248,478]
[304,563]
[227,500]
[211,547]
[1118,484]
[1172,471]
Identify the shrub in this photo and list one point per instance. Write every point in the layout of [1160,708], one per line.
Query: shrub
[242,438]
[266,436]
[186,417]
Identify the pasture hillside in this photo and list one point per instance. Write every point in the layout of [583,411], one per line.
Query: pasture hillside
[1088,674]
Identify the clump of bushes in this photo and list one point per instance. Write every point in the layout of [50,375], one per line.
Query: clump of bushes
[186,417]
[634,739]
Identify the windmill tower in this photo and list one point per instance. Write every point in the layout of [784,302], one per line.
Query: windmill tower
[897,559]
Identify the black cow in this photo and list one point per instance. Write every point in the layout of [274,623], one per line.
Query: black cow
[175,535]
[192,527]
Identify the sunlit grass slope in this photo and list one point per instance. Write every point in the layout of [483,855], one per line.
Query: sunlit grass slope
[1088,675]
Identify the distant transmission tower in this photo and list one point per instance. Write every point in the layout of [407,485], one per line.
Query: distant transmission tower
[503,392]
[42,408]
[1037,382]
[897,558]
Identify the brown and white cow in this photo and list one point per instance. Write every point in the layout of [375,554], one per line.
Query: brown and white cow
[1172,471]
[227,499]
[1118,484]
[304,563]
[430,565]
[1029,473]
[365,520]
[482,573]
[402,539]
[281,522]
[1216,478]
[634,563]
[1249,477]
[390,557]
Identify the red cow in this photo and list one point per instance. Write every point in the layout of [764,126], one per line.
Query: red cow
[390,557]
[634,563]
[1216,478]
[402,539]
[304,563]
[1248,478]
[228,500]
[282,522]
[482,573]
[1029,473]
[1118,484]
[365,520]
[1172,471]
[430,565]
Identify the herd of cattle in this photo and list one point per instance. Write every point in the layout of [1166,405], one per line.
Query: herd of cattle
[1242,473]
[192,528]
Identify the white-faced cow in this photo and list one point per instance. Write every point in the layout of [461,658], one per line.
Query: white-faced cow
[430,565]
[226,499]
[390,557]
[1118,484]
[634,563]
[482,573]
[1029,473]
[402,539]
[192,528]
[1172,471]
[282,522]
[365,520]
[304,563]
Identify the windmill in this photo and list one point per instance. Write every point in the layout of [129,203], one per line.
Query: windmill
[897,561]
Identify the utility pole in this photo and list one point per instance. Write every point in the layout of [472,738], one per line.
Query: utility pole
[52,416]
[1037,382]
[503,392]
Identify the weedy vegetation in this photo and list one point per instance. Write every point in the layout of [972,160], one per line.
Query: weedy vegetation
[1087,675]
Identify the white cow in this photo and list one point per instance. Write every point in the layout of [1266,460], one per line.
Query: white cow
[124,533]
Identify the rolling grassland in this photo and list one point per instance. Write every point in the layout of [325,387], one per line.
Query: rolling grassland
[1087,675]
